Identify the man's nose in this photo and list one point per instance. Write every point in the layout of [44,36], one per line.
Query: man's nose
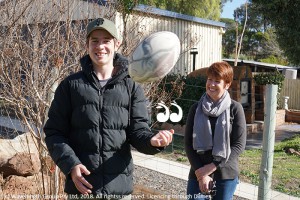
[100,45]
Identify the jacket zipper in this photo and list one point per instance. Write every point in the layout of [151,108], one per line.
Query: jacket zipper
[100,93]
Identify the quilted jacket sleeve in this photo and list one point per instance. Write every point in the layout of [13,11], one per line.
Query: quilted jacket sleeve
[57,130]
[139,132]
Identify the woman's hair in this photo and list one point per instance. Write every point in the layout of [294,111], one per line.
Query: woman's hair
[221,70]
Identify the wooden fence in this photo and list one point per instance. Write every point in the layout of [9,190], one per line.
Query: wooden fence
[291,88]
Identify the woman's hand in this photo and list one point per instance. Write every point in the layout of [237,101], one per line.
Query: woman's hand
[206,170]
[205,184]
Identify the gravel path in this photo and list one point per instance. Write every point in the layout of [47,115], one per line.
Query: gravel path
[161,186]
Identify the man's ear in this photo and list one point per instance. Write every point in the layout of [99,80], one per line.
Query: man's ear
[117,44]
[87,44]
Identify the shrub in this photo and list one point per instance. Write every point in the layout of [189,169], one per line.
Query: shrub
[274,78]
[192,90]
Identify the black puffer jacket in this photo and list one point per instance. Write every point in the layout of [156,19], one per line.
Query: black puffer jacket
[90,125]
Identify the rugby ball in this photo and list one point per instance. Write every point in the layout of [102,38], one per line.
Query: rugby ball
[154,57]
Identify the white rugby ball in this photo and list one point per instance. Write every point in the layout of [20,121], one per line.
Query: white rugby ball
[154,57]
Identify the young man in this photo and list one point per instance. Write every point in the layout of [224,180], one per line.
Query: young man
[96,114]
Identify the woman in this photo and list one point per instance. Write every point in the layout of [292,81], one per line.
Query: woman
[214,138]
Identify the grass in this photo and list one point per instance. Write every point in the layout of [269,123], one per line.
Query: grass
[285,172]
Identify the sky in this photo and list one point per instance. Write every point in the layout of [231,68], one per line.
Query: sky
[230,7]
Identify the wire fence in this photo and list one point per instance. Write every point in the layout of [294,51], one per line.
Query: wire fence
[244,190]
[179,166]
[253,101]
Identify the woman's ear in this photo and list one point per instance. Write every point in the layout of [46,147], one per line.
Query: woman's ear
[227,86]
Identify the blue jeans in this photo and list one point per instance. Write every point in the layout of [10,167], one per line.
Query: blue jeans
[224,190]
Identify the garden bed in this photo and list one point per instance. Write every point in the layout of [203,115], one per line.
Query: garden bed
[292,116]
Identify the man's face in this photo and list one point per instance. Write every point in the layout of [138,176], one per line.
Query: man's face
[101,47]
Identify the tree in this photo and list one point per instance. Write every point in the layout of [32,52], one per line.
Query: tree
[259,41]
[33,58]
[239,38]
[271,52]
[228,41]
[254,31]
[208,9]
[39,48]
[125,7]
[284,16]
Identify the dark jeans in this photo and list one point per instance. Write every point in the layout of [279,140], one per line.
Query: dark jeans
[224,190]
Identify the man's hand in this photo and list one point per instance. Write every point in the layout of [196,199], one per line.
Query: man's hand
[81,184]
[162,138]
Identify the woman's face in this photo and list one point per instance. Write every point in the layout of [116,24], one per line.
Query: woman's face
[215,88]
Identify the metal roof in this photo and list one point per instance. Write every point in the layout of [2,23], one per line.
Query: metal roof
[262,64]
[167,13]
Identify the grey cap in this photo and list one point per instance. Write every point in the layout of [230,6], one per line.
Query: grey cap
[102,23]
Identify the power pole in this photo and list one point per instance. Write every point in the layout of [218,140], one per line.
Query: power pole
[265,176]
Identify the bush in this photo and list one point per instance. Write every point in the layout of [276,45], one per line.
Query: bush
[275,78]
[192,90]
[275,60]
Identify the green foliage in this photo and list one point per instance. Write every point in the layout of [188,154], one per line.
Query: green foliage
[284,16]
[199,8]
[126,6]
[274,78]
[169,89]
[167,84]
[275,60]
[259,40]
[293,142]
[253,176]
[285,173]
[271,51]
[182,159]
[193,88]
